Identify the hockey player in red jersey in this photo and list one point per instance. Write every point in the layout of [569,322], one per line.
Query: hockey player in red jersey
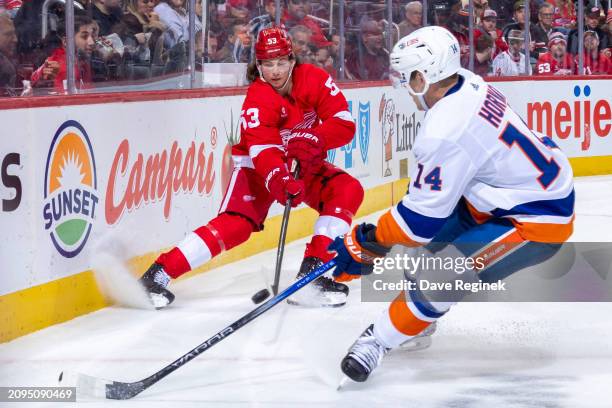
[291,112]
[557,61]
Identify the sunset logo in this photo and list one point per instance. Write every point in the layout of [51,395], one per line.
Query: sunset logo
[69,205]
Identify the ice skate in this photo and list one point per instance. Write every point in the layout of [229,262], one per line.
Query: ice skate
[421,341]
[323,292]
[363,356]
[155,280]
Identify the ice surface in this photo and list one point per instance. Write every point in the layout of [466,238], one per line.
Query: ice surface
[483,355]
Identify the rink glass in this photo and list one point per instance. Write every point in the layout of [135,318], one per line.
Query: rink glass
[124,62]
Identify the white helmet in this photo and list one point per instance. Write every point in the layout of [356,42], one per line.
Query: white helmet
[432,51]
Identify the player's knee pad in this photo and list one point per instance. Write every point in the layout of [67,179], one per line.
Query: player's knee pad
[346,195]
[331,226]
[226,231]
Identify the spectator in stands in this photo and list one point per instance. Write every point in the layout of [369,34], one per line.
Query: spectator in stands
[323,59]
[596,62]
[543,29]
[301,40]
[565,16]
[458,24]
[479,8]
[239,10]
[106,59]
[512,61]
[482,56]
[28,24]
[369,60]
[54,67]
[214,22]
[10,7]
[8,45]
[297,14]
[265,20]
[519,24]
[237,47]
[142,32]
[519,20]
[591,23]
[334,51]
[107,13]
[307,56]
[441,12]
[213,45]
[173,15]
[504,10]
[334,48]
[413,18]
[557,61]
[489,26]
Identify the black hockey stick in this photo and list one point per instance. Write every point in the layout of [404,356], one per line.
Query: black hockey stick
[108,389]
[264,293]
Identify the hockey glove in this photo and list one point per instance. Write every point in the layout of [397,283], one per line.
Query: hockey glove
[281,186]
[308,148]
[356,253]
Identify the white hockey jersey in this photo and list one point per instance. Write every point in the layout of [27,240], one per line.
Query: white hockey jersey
[505,65]
[473,145]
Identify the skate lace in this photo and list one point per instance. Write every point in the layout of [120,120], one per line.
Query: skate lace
[161,278]
[368,350]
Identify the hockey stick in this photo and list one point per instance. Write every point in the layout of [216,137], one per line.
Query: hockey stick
[108,389]
[280,251]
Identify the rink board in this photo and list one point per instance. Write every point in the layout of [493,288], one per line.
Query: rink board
[74,178]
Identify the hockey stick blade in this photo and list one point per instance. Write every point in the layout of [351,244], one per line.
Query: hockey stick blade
[86,385]
[101,388]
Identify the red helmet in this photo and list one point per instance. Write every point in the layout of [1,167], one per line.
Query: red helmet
[272,43]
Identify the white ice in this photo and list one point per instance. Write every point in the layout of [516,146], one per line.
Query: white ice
[483,355]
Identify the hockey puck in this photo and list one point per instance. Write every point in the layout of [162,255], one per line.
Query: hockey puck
[260,296]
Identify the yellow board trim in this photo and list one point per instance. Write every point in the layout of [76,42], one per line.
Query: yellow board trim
[591,166]
[58,301]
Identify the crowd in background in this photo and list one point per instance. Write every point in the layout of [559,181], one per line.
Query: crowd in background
[125,41]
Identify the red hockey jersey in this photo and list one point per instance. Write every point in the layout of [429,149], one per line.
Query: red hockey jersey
[267,118]
[547,65]
[602,65]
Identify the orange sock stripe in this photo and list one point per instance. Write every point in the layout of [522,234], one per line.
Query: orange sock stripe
[479,217]
[388,233]
[403,319]
[346,277]
[540,232]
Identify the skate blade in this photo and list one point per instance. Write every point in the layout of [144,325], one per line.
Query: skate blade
[310,298]
[158,300]
[313,305]
[342,383]
[416,344]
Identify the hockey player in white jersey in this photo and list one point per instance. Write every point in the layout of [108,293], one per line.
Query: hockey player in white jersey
[481,176]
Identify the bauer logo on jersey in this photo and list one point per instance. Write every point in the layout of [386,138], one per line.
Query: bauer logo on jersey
[70,196]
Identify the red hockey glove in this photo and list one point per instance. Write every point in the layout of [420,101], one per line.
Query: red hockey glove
[308,148]
[356,253]
[281,186]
